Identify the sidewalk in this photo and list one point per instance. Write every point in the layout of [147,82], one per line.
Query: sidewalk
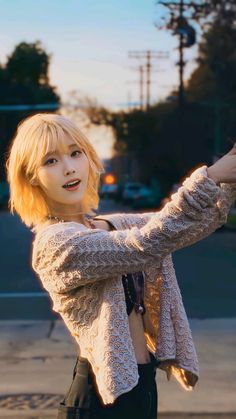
[37,360]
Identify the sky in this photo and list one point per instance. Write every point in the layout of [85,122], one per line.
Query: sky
[89,42]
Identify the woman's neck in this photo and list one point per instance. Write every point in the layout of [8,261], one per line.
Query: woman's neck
[58,219]
[57,215]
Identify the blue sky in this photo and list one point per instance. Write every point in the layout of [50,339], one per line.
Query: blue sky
[89,41]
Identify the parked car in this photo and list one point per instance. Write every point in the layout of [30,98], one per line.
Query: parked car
[108,190]
[146,198]
[139,196]
[130,191]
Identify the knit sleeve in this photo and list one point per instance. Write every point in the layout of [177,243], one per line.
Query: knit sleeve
[213,218]
[68,257]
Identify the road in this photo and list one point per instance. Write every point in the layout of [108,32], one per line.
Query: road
[206,273]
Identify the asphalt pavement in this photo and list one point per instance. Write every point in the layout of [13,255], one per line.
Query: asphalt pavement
[37,360]
[205,271]
[37,354]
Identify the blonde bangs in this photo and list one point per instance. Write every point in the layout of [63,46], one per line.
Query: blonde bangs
[51,139]
[36,136]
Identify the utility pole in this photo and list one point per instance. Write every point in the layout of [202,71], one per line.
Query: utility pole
[180,12]
[181,58]
[148,77]
[178,23]
[141,71]
[141,85]
[148,56]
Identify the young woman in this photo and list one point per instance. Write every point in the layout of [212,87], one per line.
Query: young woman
[111,277]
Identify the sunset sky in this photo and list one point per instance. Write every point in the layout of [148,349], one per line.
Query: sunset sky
[89,42]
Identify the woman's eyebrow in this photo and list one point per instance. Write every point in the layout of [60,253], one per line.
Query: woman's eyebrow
[49,154]
[55,151]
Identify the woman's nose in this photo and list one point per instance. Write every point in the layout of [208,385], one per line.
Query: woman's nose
[68,171]
[68,167]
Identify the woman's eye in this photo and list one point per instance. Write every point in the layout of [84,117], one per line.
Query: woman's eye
[76,151]
[49,161]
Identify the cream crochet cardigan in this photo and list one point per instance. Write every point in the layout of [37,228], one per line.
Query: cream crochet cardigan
[81,268]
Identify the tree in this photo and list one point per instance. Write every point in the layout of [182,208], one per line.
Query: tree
[221,12]
[88,107]
[28,64]
[213,83]
[23,80]
[215,74]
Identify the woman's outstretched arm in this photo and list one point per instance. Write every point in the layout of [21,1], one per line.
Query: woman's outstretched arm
[67,256]
[214,217]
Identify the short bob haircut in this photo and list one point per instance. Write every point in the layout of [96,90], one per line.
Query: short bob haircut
[35,136]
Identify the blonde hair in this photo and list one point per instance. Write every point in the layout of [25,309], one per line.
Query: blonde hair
[35,136]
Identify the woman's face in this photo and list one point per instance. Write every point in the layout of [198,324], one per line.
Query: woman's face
[59,168]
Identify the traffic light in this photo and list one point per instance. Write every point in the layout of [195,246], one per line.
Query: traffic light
[109,179]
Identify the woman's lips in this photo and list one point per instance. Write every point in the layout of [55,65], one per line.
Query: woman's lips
[71,181]
[72,188]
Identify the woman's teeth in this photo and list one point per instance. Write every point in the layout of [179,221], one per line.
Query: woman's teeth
[71,185]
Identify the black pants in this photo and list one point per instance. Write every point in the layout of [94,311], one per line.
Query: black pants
[83,401]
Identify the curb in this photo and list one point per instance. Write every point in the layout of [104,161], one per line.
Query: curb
[184,415]
[51,414]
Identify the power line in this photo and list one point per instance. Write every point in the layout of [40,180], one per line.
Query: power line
[148,56]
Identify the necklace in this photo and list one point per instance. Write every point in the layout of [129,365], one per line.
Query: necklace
[60,220]
[54,217]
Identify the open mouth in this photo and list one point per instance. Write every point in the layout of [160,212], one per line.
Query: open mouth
[71,185]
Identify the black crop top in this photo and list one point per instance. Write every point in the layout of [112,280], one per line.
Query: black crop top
[133,287]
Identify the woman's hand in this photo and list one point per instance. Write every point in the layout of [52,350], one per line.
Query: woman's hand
[224,170]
